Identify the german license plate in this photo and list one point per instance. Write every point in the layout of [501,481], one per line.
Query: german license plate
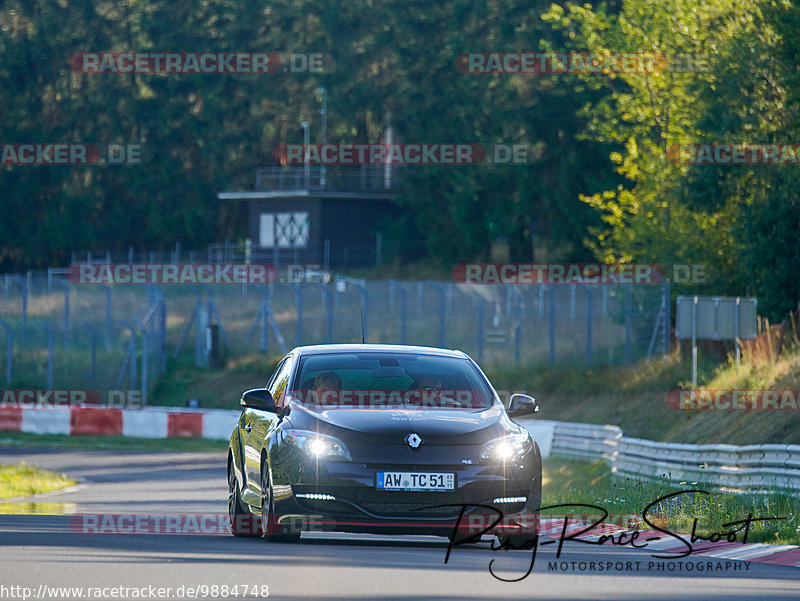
[415,480]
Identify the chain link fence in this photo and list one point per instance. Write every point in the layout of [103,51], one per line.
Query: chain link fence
[117,341]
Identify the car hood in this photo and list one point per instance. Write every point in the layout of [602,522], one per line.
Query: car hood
[391,426]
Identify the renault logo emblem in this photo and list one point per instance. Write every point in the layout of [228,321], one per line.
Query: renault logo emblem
[413,440]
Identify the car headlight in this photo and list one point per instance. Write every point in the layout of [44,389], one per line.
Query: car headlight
[506,448]
[318,446]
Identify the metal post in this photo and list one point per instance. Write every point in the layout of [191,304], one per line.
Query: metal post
[65,326]
[9,350]
[588,326]
[365,308]
[572,301]
[327,311]
[50,338]
[263,318]
[323,111]
[541,301]
[298,297]
[552,327]
[420,296]
[480,329]
[131,351]
[442,311]
[403,314]
[628,323]
[162,323]
[145,358]
[306,154]
[24,288]
[694,345]
[736,332]
[93,356]
[392,287]
[108,316]
[667,318]
[201,327]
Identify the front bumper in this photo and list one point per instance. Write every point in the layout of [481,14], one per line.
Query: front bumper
[342,496]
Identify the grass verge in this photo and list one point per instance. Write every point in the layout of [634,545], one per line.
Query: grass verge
[22,480]
[569,481]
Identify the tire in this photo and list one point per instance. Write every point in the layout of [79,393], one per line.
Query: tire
[240,520]
[271,530]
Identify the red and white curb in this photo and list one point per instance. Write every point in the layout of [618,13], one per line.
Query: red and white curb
[163,422]
[785,555]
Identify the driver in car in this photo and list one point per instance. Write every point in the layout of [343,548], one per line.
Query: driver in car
[326,388]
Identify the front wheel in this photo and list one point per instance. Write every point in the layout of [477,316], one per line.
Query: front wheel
[240,520]
[271,530]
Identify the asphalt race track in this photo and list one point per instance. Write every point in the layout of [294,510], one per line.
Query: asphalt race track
[52,550]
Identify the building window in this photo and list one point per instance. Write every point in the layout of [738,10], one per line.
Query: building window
[284,230]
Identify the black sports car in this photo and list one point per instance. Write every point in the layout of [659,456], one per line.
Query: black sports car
[381,438]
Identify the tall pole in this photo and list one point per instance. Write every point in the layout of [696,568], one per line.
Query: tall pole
[304,125]
[323,111]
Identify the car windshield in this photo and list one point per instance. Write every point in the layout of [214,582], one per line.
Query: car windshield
[389,380]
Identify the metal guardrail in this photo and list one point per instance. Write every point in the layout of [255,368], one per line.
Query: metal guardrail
[753,468]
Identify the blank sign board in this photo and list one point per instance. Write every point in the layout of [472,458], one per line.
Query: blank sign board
[716,318]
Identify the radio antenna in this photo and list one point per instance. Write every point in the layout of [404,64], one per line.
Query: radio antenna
[363,337]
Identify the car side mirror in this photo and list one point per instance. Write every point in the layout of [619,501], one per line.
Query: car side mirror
[259,398]
[522,404]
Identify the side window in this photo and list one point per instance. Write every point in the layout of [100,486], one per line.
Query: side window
[274,375]
[277,384]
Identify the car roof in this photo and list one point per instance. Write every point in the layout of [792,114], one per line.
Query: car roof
[384,348]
